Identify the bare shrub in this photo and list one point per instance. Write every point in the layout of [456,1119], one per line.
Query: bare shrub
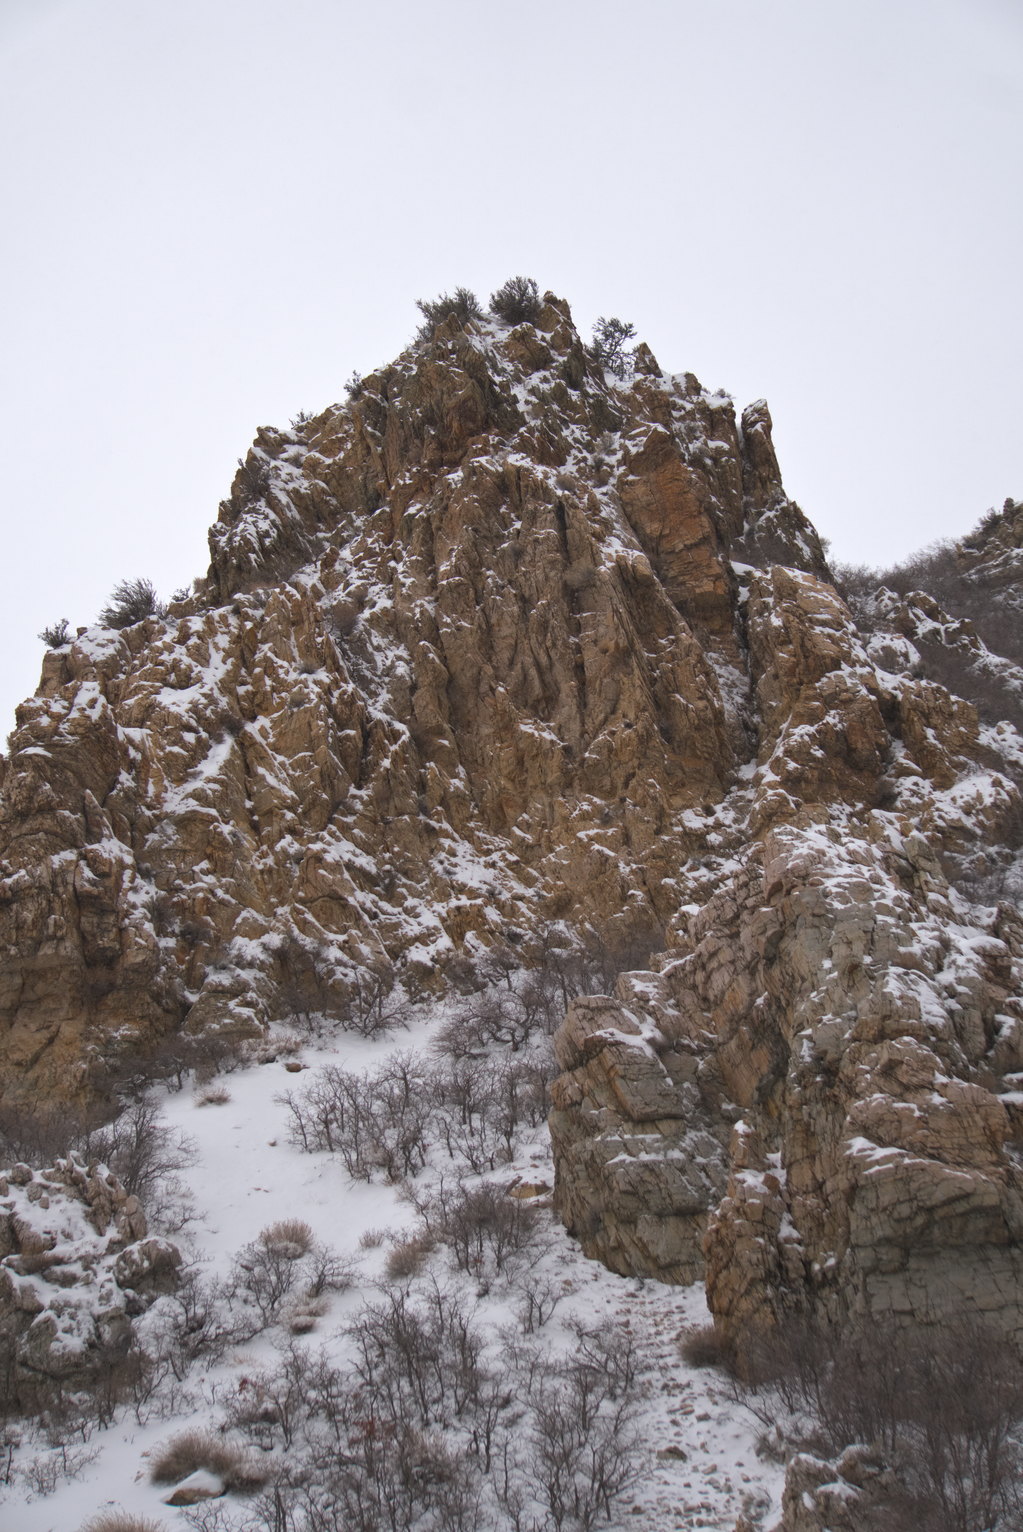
[419,1354]
[191,1450]
[56,635]
[705,1347]
[292,1236]
[540,1296]
[408,1257]
[362,1445]
[131,601]
[46,1470]
[137,1147]
[517,301]
[39,1135]
[944,1402]
[273,1269]
[121,1521]
[388,1477]
[191,1324]
[142,1151]
[584,1439]
[373,1005]
[213,1095]
[484,1228]
[378,1123]
[262,1278]
[462,305]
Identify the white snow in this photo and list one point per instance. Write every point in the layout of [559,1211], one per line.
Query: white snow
[699,1462]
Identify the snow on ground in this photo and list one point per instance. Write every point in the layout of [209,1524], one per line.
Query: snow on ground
[698,1462]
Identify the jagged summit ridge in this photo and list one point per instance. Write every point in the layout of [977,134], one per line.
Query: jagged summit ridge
[468,647]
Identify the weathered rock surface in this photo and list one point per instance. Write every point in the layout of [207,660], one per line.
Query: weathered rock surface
[506,644]
[834,1018]
[76,1266]
[468,654]
[853,1494]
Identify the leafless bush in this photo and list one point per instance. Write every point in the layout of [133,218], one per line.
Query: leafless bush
[121,1521]
[540,1296]
[141,1150]
[56,635]
[705,1347]
[943,1402]
[481,1103]
[584,1439]
[274,1268]
[137,1146]
[373,1005]
[419,1355]
[213,1095]
[189,1451]
[484,1228]
[39,1135]
[381,1123]
[292,1236]
[387,1478]
[378,1123]
[361,1446]
[262,1277]
[191,1324]
[517,301]
[181,1053]
[462,305]
[46,1470]
[131,601]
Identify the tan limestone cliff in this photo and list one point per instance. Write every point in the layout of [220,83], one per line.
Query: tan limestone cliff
[468,659]
[834,1028]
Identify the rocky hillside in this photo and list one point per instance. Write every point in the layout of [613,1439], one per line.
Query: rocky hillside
[508,653]
[468,661]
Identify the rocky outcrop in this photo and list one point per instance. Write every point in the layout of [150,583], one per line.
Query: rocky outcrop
[858,1492]
[76,1266]
[834,1028]
[468,659]
[508,647]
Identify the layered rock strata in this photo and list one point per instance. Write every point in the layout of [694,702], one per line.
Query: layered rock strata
[818,1091]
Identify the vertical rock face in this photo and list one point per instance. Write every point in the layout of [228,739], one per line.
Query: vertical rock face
[838,1028]
[504,645]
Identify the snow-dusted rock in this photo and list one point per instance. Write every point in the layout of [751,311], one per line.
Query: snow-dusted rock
[468,653]
[76,1267]
[839,1030]
[507,647]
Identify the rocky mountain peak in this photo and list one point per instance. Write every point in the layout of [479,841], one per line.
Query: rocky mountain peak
[514,649]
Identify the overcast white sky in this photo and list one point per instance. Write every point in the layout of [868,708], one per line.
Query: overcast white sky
[214,210]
